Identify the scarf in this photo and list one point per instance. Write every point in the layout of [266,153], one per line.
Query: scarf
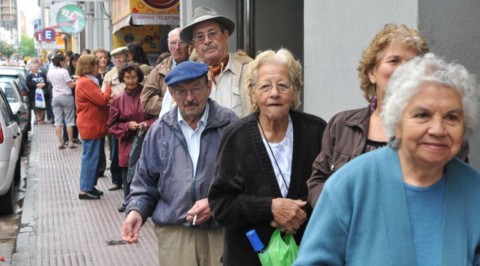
[216,70]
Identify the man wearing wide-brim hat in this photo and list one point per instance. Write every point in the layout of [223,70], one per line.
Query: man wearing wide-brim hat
[175,171]
[208,33]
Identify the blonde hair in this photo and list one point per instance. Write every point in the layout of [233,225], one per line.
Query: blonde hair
[390,34]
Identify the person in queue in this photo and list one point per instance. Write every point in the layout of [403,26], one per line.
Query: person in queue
[353,132]
[120,58]
[413,202]
[175,170]
[103,62]
[208,33]
[265,160]
[127,117]
[92,116]
[137,55]
[155,87]
[62,99]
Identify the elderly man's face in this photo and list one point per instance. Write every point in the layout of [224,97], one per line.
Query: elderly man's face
[210,42]
[120,59]
[191,98]
[177,48]
[431,127]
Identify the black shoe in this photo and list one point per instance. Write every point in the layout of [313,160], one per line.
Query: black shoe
[121,208]
[88,196]
[96,191]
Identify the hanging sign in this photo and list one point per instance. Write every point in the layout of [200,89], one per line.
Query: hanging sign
[71,19]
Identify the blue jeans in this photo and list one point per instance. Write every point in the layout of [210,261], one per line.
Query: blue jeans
[114,168]
[90,161]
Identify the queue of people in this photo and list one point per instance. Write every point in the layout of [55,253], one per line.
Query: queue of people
[226,150]
[388,183]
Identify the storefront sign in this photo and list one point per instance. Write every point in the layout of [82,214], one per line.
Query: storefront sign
[155,19]
[71,19]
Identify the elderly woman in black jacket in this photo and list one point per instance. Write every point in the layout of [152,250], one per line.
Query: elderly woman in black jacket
[265,160]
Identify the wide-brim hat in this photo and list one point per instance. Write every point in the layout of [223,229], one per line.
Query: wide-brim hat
[119,50]
[202,14]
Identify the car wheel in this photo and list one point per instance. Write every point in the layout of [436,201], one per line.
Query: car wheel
[17,175]
[6,202]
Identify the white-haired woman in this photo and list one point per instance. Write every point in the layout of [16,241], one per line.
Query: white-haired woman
[413,202]
[265,159]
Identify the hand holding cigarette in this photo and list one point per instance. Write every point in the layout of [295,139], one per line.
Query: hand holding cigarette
[199,213]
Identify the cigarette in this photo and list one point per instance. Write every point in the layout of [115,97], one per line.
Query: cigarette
[194,219]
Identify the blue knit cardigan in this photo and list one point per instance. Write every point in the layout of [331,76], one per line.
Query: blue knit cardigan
[362,217]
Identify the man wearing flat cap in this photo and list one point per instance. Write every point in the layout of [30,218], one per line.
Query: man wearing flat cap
[208,32]
[175,171]
[120,58]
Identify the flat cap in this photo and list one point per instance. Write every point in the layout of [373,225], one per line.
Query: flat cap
[186,71]
[119,50]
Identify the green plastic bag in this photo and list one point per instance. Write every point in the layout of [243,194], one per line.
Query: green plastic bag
[280,251]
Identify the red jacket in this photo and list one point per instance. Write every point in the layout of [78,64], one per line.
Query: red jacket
[92,108]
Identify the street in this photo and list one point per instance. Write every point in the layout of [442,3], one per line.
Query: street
[56,228]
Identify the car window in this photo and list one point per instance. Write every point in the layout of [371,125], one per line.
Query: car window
[5,111]
[9,91]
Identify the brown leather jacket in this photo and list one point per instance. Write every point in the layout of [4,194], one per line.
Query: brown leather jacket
[155,87]
[344,139]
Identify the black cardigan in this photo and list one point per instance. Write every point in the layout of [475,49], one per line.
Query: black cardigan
[241,195]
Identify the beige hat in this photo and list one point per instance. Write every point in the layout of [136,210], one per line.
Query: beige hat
[119,50]
[202,14]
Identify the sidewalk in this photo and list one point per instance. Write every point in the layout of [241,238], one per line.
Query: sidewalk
[59,229]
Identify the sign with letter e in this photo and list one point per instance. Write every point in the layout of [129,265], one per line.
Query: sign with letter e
[48,35]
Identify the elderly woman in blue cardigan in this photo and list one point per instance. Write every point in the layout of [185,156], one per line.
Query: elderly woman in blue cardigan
[265,160]
[413,202]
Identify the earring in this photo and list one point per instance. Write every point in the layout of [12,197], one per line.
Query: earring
[372,97]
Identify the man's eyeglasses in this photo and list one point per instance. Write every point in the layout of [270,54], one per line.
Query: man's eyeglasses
[182,93]
[175,43]
[200,37]
[267,87]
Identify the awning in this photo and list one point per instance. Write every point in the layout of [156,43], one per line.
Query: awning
[121,23]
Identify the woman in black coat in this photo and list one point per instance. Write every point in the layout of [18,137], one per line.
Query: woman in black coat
[265,159]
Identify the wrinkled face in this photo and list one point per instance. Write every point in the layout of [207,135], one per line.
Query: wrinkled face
[392,57]
[431,127]
[273,92]
[103,59]
[131,80]
[210,42]
[120,60]
[177,48]
[191,98]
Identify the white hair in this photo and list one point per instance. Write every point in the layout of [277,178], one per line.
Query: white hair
[407,79]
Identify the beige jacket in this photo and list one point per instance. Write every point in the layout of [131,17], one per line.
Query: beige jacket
[155,87]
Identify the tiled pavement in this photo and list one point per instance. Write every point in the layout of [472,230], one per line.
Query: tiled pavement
[59,229]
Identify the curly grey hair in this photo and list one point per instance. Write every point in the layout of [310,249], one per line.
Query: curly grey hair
[408,78]
[284,57]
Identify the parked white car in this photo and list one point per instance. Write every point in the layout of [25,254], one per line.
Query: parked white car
[10,146]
